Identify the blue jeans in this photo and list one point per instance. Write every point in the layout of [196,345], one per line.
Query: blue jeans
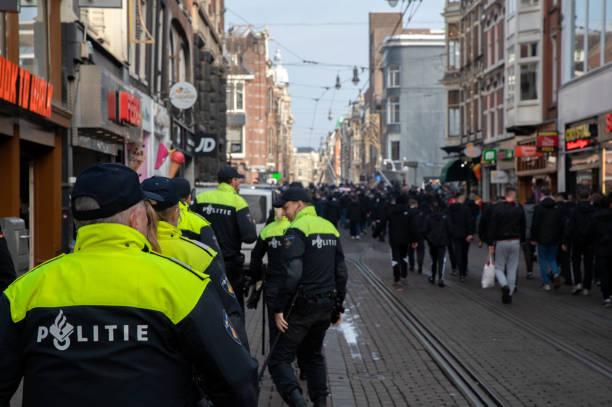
[547,254]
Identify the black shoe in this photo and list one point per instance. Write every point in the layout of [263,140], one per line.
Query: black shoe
[420,270]
[506,299]
[441,283]
[296,399]
[320,402]
[454,272]
[529,276]
[431,280]
[556,281]
[462,279]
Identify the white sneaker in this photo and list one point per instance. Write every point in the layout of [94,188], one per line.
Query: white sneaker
[608,302]
[353,237]
[577,288]
[358,237]
[585,292]
[546,287]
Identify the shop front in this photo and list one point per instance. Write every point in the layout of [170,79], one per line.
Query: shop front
[583,157]
[536,168]
[32,123]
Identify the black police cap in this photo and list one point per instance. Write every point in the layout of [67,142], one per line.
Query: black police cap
[113,186]
[229,172]
[165,188]
[183,187]
[293,194]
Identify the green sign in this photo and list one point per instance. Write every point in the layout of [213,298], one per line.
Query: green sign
[506,155]
[277,175]
[489,156]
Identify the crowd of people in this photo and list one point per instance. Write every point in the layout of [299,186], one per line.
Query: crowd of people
[570,239]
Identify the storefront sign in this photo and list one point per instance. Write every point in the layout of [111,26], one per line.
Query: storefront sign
[499,177]
[26,90]
[505,155]
[548,141]
[489,155]
[527,151]
[581,136]
[472,151]
[129,108]
[205,144]
[183,95]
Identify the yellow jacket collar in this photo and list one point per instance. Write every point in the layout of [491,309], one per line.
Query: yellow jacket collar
[183,206]
[226,188]
[109,236]
[307,211]
[166,231]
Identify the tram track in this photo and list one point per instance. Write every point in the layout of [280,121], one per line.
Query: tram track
[467,382]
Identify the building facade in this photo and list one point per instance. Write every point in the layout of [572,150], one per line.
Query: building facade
[413,115]
[307,169]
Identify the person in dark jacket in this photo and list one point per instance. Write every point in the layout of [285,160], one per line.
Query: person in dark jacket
[7,268]
[379,211]
[402,233]
[506,232]
[576,237]
[461,226]
[528,248]
[563,256]
[333,212]
[601,237]
[354,216]
[419,219]
[321,205]
[483,225]
[437,236]
[546,232]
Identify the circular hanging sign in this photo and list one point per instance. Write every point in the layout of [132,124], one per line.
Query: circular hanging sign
[183,95]
[472,151]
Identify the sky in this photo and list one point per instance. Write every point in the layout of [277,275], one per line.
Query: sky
[329,32]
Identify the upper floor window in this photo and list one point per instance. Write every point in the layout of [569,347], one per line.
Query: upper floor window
[529,49]
[395,150]
[394,76]
[235,96]
[529,3]
[33,38]
[393,110]
[511,7]
[529,81]
[592,35]
[454,54]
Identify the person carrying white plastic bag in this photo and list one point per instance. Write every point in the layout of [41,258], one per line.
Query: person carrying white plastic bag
[488,273]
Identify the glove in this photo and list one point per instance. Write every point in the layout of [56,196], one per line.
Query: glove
[253,299]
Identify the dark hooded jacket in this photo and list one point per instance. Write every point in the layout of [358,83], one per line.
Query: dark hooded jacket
[578,225]
[547,226]
[402,229]
[460,221]
[436,225]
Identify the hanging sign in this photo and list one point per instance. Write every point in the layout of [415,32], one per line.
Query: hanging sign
[527,151]
[24,89]
[548,141]
[489,156]
[472,151]
[505,155]
[499,177]
[128,110]
[183,95]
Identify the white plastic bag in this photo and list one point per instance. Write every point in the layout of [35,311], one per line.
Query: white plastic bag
[488,273]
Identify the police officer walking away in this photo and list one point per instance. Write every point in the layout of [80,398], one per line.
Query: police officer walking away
[113,323]
[315,276]
[229,215]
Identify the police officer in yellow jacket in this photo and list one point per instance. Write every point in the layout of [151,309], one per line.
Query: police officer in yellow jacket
[191,224]
[315,276]
[229,215]
[114,324]
[192,253]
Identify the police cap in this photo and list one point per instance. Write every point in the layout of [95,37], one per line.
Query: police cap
[165,188]
[229,172]
[113,186]
[293,194]
[183,187]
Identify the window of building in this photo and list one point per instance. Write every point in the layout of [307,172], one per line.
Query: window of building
[454,54]
[2,34]
[607,46]
[579,32]
[394,76]
[235,96]
[529,3]
[596,25]
[529,49]
[454,116]
[395,150]
[555,61]
[235,139]
[529,73]
[159,48]
[511,7]
[33,37]
[510,82]
[393,110]
[491,50]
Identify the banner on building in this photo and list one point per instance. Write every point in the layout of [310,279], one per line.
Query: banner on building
[548,141]
[527,151]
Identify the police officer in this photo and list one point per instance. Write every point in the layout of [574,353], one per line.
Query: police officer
[315,276]
[124,323]
[195,254]
[7,268]
[191,224]
[229,215]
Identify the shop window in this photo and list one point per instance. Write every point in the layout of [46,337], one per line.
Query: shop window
[393,110]
[235,139]
[394,76]
[529,74]
[395,150]
[579,31]
[33,37]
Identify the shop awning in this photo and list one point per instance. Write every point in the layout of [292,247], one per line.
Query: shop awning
[456,170]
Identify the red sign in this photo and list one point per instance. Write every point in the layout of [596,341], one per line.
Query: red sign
[609,122]
[129,108]
[578,144]
[24,89]
[548,141]
[527,151]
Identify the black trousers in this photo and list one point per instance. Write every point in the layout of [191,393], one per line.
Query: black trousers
[305,334]
[564,259]
[461,255]
[437,261]
[582,254]
[420,255]
[529,254]
[354,225]
[398,261]
[604,267]
[451,255]
[235,274]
